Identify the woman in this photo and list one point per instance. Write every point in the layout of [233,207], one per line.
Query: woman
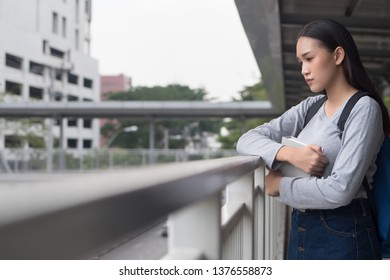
[331,217]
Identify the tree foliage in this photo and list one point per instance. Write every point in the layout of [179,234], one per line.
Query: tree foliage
[179,131]
[159,93]
[236,127]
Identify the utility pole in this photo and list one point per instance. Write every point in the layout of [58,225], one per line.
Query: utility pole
[50,142]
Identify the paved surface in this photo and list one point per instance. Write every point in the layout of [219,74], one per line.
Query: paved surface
[147,245]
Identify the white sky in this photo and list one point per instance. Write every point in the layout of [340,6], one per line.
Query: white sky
[199,43]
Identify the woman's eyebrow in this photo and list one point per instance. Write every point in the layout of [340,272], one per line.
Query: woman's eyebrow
[304,54]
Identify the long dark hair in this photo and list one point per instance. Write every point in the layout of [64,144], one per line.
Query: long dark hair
[331,35]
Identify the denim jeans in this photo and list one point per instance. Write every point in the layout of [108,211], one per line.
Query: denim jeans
[347,232]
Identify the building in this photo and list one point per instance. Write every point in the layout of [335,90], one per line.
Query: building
[111,84]
[114,83]
[45,56]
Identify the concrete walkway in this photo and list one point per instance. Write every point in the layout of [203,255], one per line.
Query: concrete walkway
[149,244]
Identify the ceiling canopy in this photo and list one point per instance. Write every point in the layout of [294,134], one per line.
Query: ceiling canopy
[272,27]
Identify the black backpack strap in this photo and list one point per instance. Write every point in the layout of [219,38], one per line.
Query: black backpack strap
[314,109]
[341,124]
[347,110]
[370,198]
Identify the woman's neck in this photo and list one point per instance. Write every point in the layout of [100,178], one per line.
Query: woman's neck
[337,95]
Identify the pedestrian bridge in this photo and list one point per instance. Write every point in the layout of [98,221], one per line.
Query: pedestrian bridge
[216,209]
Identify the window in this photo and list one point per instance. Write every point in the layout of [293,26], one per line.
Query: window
[72,122]
[57,53]
[37,68]
[36,93]
[88,83]
[58,74]
[58,96]
[13,61]
[72,98]
[73,79]
[72,143]
[87,7]
[87,123]
[13,88]
[44,46]
[64,27]
[77,10]
[55,23]
[87,143]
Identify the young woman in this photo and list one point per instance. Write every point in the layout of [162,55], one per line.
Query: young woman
[332,218]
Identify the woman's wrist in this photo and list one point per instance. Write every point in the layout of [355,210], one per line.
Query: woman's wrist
[285,153]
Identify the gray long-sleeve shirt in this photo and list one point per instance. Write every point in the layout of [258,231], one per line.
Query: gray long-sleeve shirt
[350,158]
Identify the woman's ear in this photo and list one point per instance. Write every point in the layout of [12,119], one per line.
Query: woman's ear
[339,55]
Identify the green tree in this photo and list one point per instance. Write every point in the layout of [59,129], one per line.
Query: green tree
[159,93]
[24,130]
[179,130]
[255,92]
[236,127]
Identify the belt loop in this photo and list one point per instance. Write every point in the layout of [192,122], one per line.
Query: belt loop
[322,218]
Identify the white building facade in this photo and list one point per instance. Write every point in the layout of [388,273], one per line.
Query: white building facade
[45,56]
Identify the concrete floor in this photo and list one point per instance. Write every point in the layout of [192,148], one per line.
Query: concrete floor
[149,244]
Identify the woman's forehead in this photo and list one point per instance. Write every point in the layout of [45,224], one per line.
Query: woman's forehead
[306,45]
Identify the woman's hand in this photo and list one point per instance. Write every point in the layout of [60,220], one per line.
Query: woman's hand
[310,158]
[272,182]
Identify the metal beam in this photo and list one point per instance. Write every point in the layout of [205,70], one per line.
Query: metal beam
[364,52]
[141,109]
[352,7]
[261,23]
[358,22]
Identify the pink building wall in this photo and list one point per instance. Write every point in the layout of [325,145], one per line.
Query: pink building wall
[112,84]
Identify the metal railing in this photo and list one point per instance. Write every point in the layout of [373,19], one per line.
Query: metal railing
[217,210]
[36,160]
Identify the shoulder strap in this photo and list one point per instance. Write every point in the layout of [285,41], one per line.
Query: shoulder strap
[313,109]
[344,114]
[348,108]
[341,124]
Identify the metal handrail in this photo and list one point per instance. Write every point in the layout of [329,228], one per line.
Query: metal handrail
[75,216]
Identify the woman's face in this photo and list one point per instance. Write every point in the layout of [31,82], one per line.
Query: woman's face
[318,64]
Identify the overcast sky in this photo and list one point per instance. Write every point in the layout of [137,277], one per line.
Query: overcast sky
[199,43]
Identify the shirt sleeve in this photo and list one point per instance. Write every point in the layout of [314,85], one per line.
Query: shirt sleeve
[264,140]
[361,141]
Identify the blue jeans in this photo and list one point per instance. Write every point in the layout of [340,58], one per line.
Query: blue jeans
[347,232]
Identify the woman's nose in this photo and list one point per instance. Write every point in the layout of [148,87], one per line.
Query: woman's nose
[304,69]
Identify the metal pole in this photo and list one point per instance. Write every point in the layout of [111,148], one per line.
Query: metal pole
[61,154]
[151,140]
[49,165]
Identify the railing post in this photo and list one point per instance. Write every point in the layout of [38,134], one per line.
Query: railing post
[242,191]
[267,227]
[195,231]
[259,214]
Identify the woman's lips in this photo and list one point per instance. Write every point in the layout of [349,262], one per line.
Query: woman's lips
[309,81]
